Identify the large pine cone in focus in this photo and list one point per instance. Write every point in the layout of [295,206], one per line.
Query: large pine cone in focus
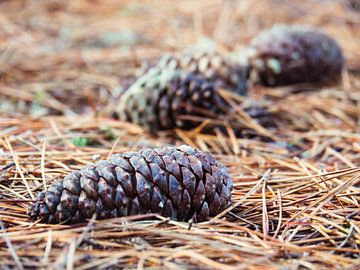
[178,182]
[286,55]
[164,99]
[212,66]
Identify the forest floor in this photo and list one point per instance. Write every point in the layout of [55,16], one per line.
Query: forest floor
[62,65]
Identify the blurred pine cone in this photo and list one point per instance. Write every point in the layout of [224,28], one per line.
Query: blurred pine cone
[286,55]
[353,4]
[212,66]
[178,182]
[164,99]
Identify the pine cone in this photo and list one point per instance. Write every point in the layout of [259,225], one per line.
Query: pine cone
[353,5]
[286,55]
[178,182]
[212,66]
[164,99]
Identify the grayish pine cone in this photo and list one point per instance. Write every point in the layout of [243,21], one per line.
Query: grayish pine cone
[178,182]
[213,66]
[286,55]
[164,99]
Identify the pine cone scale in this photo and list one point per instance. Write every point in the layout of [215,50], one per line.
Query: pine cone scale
[86,205]
[175,190]
[51,201]
[199,195]
[90,186]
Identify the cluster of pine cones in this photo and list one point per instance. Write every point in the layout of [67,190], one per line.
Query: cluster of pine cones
[181,91]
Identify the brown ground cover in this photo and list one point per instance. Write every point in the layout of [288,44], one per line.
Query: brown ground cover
[62,66]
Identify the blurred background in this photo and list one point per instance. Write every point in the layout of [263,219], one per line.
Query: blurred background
[69,57]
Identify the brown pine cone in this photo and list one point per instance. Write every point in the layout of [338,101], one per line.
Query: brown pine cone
[286,55]
[178,182]
[353,5]
[164,99]
[212,66]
